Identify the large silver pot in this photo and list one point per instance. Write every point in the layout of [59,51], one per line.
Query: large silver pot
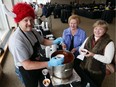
[63,71]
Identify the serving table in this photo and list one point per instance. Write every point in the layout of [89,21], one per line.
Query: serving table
[73,81]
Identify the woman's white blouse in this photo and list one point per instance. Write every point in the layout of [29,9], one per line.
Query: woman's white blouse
[108,53]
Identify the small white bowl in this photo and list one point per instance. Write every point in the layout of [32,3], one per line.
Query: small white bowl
[46,82]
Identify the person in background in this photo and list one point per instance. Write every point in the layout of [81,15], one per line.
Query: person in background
[44,11]
[24,44]
[38,10]
[73,36]
[35,7]
[100,51]
[108,6]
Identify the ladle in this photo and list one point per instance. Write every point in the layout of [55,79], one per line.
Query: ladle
[45,72]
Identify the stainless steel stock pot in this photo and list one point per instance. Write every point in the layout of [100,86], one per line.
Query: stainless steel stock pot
[65,70]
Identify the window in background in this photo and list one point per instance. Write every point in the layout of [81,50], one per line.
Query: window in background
[4,25]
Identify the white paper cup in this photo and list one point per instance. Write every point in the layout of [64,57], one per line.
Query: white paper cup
[60,56]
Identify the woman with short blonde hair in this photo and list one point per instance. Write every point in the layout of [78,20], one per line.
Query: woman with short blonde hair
[76,17]
[100,51]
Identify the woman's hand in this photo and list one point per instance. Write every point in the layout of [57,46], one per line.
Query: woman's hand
[63,46]
[73,50]
[88,54]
